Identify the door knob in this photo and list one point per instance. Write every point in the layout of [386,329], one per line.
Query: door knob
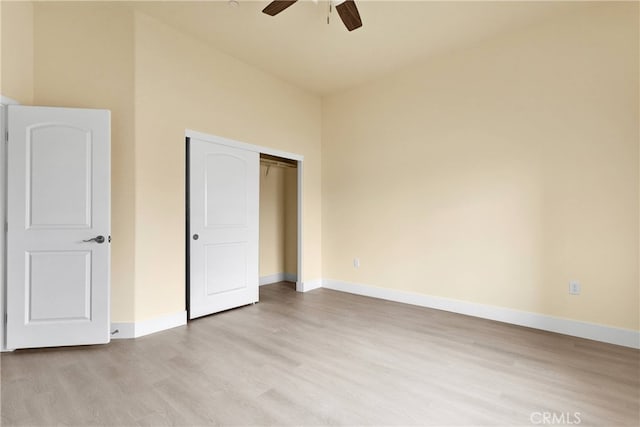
[97,239]
[196,237]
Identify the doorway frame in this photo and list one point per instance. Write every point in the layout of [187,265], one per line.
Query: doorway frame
[4,103]
[298,158]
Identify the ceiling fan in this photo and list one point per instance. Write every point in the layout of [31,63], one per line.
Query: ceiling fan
[346,9]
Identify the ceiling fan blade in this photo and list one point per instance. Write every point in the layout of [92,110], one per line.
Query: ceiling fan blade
[349,14]
[277,6]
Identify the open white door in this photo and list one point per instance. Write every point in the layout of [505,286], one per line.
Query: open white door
[224,187]
[58,197]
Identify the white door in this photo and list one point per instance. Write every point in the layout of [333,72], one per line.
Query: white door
[58,199]
[224,187]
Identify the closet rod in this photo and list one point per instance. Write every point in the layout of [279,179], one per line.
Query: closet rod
[276,163]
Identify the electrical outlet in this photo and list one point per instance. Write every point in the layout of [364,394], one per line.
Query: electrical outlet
[356,263]
[574,288]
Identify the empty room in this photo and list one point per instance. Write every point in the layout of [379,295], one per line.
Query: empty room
[309,213]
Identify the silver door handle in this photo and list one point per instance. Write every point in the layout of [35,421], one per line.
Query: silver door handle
[97,239]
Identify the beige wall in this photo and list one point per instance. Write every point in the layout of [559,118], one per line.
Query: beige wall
[83,57]
[291,221]
[182,83]
[16,58]
[496,174]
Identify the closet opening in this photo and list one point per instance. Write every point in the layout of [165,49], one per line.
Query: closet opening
[278,241]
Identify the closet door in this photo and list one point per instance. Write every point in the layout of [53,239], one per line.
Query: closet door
[224,188]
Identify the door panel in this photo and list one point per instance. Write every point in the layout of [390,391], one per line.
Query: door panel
[226,267]
[226,177]
[67,301]
[58,168]
[58,193]
[224,192]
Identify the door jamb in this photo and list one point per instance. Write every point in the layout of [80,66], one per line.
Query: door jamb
[259,149]
[4,102]
[187,224]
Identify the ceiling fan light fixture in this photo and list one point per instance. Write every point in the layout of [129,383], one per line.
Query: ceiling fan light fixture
[347,10]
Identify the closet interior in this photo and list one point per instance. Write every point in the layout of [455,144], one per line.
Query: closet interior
[278,220]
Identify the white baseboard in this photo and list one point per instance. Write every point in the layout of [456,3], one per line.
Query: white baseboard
[123,330]
[278,277]
[592,331]
[127,330]
[309,285]
[149,326]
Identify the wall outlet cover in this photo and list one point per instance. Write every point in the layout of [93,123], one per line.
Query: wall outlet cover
[574,288]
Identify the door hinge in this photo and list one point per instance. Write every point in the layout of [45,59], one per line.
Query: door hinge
[5,318]
[6,136]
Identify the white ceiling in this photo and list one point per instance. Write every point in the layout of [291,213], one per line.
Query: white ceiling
[300,47]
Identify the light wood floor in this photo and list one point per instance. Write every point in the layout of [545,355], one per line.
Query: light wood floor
[326,358]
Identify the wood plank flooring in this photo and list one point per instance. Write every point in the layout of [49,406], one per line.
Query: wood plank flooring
[327,358]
